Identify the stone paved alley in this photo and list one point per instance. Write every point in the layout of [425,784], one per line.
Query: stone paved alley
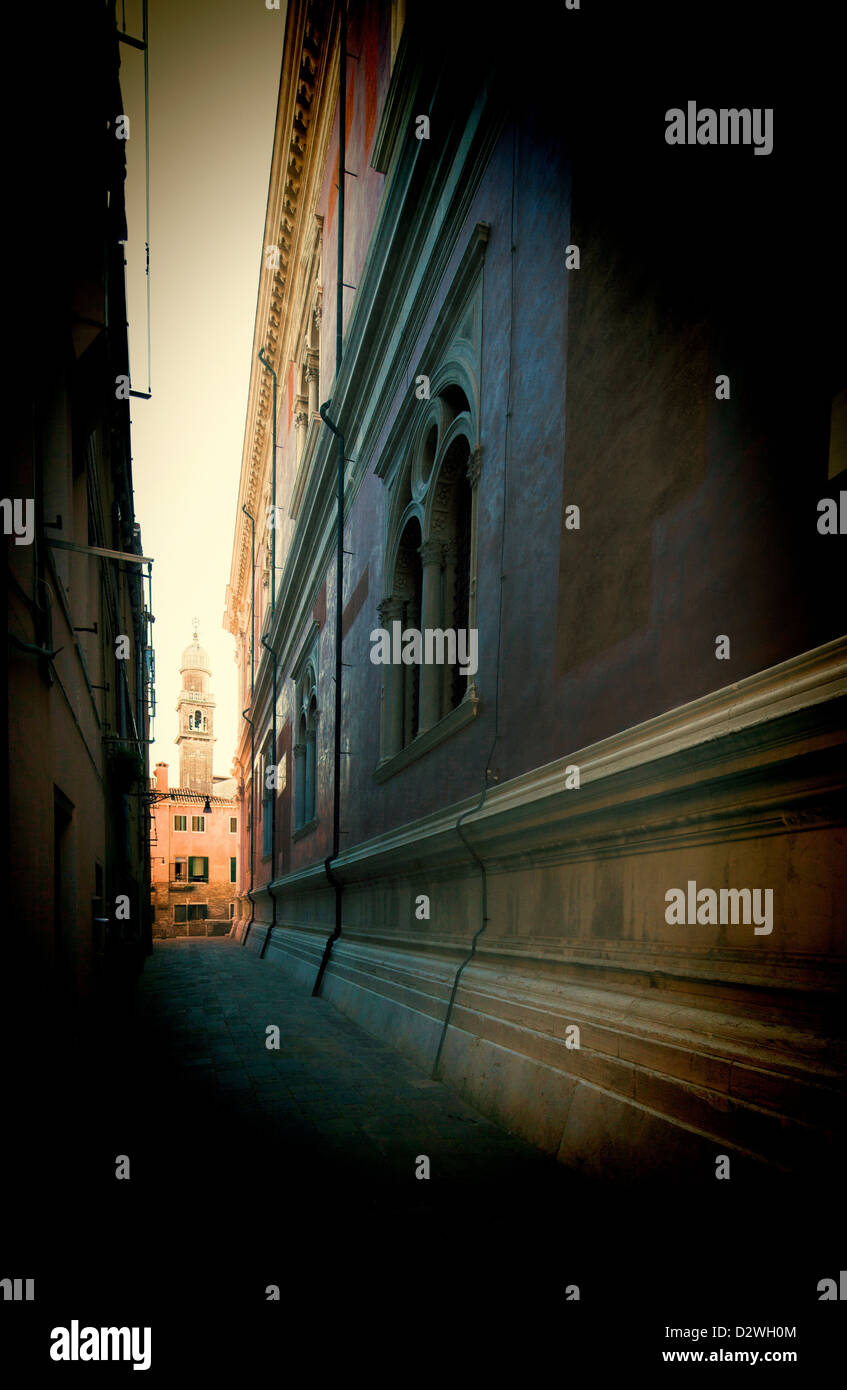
[337,1102]
[251,1168]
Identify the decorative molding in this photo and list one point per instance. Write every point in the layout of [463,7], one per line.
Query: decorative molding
[305,651]
[445,330]
[450,724]
[305,829]
[304,466]
[475,466]
[399,103]
[431,552]
[551,823]
[301,84]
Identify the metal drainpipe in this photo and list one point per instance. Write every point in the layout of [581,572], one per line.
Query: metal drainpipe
[490,772]
[269,648]
[246,716]
[336,751]
[268,368]
[339,550]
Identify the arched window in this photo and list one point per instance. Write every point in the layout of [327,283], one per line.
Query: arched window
[430,573]
[198,718]
[460,618]
[408,588]
[311,756]
[306,748]
[268,793]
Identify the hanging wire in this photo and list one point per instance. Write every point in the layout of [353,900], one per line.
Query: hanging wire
[147,188]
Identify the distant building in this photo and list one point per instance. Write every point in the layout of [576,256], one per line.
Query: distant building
[195,827]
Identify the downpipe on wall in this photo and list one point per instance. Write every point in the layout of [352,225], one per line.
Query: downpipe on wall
[336,750]
[246,716]
[266,644]
[491,775]
[339,549]
[267,647]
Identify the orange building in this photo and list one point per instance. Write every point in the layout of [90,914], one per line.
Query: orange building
[194,832]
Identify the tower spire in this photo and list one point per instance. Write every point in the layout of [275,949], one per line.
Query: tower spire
[195,710]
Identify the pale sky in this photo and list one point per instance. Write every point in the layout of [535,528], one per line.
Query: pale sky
[214,80]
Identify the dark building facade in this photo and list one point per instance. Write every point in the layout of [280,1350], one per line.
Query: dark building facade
[80,661]
[597,880]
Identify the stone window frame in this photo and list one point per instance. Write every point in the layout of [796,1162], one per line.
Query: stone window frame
[305,738]
[423,489]
[305,404]
[266,761]
[186,908]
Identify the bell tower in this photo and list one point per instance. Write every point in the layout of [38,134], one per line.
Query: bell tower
[196,717]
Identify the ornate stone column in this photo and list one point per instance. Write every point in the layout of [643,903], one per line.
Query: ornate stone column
[432,676]
[301,424]
[299,784]
[473,474]
[312,379]
[310,798]
[392,721]
[450,557]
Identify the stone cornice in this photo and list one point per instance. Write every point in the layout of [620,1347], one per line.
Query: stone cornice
[293,171]
[639,788]
[467,273]
[405,76]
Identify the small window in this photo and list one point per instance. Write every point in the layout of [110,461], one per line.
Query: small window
[233,825]
[198,822]
[268,781]
[180,870]
[232,909]
[232,870]
[305,748]
[180,822]
[191,912]
[198,869]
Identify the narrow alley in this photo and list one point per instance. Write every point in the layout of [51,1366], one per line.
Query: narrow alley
[332,1103]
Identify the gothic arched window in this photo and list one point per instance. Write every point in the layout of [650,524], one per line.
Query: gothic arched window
[306,748]
[408,588]
[430,578]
